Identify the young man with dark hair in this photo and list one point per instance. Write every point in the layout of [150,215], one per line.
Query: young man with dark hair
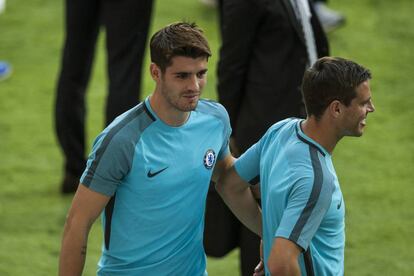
[266,47]
[302,205]
[149,170]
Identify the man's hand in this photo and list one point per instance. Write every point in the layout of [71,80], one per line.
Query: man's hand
[259,269]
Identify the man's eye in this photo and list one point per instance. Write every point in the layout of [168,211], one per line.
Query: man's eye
[366,103]
[201,75]
[182,76]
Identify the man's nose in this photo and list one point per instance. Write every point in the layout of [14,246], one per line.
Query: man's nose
[193,84]
[371,107]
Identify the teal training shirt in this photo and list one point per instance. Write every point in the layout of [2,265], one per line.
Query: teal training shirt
[158,177]
[301,197]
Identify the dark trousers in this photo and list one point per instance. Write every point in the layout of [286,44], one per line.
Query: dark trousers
[126,24]
[223,232]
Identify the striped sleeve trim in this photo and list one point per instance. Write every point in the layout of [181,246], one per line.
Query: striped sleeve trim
[308,142]
[313,198]
[255,180]
[148,112]
[307,257]
[109,209]
[108,138]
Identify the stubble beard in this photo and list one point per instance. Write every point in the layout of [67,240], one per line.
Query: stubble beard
[182,107]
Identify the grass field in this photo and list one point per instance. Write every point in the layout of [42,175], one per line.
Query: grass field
[376,171]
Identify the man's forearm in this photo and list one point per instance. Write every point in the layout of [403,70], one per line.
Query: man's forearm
[283,258]
[239,198]
[245,208]
[86,207]
[73,252]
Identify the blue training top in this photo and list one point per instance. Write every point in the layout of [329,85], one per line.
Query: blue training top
[301,197]
[158,177]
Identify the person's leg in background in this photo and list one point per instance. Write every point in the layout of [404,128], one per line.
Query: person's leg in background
[82,28]
[223,231]
[329,18]
[249,250]
[127,24]
[221,228]
[209,3]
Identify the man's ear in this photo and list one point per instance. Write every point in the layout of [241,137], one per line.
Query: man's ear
[155,72]
[335,108]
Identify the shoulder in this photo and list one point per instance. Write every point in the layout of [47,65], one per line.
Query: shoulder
[308,166]
[215,111]
[129,125]
[212,108]
[299,156]
[285,124]
[280,132]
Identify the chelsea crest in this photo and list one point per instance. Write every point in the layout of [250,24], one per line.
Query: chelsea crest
[209,159]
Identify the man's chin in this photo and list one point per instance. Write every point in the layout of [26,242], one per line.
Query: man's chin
[354,133]
[189,107]
[358,133]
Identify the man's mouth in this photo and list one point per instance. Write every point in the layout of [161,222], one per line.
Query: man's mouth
[364,122]
[191,96]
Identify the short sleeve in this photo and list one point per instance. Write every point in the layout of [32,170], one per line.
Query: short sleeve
[248,164]
[225,150]
[108,163]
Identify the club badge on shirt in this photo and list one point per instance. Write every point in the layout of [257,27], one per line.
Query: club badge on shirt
[209,158]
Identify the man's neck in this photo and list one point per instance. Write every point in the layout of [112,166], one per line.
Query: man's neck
[322,132]
[166,113]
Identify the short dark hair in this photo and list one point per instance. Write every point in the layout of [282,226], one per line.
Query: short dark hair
[178,39]
[329,79]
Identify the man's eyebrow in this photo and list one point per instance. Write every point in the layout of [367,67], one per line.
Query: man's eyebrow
[367,100]
[185,72]
[181,73]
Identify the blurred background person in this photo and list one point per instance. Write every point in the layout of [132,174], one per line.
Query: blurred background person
[266,47]
[329,18]
[126,24]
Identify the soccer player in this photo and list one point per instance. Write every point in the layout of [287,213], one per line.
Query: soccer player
[302,219]
[149,171]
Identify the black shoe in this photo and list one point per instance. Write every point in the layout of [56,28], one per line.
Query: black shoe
[69,184]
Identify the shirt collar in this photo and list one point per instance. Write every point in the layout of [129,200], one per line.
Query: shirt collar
[306,139]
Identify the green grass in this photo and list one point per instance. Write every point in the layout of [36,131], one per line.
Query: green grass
[376,171]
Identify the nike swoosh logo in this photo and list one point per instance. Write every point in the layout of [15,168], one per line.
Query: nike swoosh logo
[152,174]
[339,205]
